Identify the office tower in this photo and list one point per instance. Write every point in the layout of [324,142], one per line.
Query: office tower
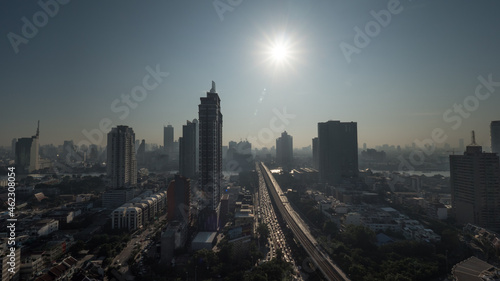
[168,139]
[210,145]
[475,187]
[338,151]
[495,136]
[315,148]
[122,164]
[27,153]
[284,151]
[188,144]
[179,200]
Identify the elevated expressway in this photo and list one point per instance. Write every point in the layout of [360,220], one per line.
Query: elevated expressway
[300,230]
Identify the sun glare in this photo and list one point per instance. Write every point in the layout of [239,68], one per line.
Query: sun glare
[279,52]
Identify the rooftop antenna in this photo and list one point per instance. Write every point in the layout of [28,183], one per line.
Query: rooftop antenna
[38,128]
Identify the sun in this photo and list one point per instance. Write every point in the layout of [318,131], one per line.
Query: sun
[280,52]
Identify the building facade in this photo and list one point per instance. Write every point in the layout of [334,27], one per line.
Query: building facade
[495,136]
[284,151]
[475,187]
[122,163]
[27,153]
[210,147]
[168,140]
[188,147]
[338,151]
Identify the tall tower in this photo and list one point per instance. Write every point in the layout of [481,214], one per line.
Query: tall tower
[495,136]
[338,151]
[187,146]
[315,151]
[284,151]
[475,187]
[168,140]
[27,153]
[122,163]
[210,122]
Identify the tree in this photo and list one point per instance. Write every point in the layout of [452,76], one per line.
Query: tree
[330,228]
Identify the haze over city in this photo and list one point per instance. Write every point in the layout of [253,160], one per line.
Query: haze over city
[265,56]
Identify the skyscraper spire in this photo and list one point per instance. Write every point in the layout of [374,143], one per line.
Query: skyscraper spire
[213,88]
[38,129]
[473,138]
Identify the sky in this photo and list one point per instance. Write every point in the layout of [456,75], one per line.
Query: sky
[405,71]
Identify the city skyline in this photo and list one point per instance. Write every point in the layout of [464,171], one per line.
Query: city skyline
[399,85]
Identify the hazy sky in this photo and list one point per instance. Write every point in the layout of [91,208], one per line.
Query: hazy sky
[72,71]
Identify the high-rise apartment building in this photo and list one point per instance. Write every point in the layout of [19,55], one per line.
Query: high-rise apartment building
[122,163]
[284,151]
[315,151]
[210,146]
[27,153]
[168,140]
[495,136]
[338,151]
[475,187]
[188,147]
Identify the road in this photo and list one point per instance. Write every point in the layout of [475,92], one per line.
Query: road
[276,240]
[300,230]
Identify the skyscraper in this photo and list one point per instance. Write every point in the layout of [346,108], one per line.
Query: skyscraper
[315,150]
[495,136]
[475,187]
[168,140]
[122,164]
[210,145]
[284,151]
[27,153]
[338,151]
[188,144]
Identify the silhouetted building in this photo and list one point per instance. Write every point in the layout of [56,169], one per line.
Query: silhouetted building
[121,164]
[284,151]
[210,118]
[315,151]
[475,187]
[27,153]
[141,154]
[338,151]
[495,136]
[239,157]
[188,145]
[168,140]
[179,200]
